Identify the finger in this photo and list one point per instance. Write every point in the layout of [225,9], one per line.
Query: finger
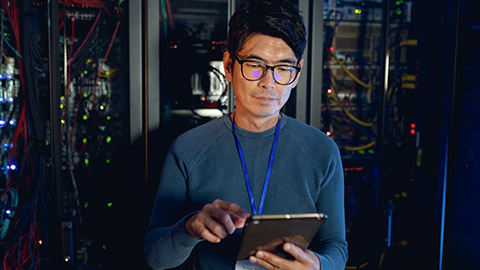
[237,220]
[232,208]
[296,252]
[217,221]
[262,263]
[208,235]
[272,261]
[221,217]
[196,228]
[304,257]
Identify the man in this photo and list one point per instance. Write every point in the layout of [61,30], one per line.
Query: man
[255,160]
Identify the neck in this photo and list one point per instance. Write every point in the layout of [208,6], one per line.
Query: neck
[255,124]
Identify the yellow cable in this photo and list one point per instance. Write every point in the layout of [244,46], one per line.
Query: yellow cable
[363,265]
[349,73]
[355,119]
[361,147]
[409,42]
[10,63]
[111,73]
[357,267]
[382,257]
[389,93]
[360,122]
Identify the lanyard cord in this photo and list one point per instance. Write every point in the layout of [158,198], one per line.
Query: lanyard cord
[269,169]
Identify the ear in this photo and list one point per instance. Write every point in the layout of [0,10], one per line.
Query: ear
[228,65]
[298,76]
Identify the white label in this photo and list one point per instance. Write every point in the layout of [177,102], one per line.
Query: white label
[247,265]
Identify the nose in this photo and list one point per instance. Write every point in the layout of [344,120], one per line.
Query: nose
[268,80]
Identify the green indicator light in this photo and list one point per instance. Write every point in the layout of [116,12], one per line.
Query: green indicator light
[109,117]
[107,73]
[104,247]
[361,152]
[62,121]
[358,11]
[176,102]
[85,205]
[108,161]
[398,12]
[371,151]
[61,106]
[84,140]
[62,97]
[85,95]
[109,204]
[109,139]
[85,72]
[86,161]
[85,117]
[109,95]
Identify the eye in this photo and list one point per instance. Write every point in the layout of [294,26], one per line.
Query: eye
[253,65]
[284,69]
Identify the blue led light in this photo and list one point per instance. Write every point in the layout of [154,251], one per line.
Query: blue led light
[2,123]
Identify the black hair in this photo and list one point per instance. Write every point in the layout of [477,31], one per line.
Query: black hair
[276,18]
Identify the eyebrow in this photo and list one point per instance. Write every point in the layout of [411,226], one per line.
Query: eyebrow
[286,60]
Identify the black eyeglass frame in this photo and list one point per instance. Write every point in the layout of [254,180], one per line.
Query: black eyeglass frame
[235,57]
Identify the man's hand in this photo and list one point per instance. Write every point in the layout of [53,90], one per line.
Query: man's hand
[215,220]
[302,259]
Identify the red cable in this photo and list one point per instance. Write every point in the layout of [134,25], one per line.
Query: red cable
[103,63]
[169,11]
[70,58]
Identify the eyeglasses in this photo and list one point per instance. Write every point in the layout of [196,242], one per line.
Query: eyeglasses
[255,70]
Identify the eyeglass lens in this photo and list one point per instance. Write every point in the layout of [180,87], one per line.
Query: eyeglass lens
[255,71]
[256,75]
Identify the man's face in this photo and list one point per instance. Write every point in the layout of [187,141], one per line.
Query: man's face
[263,98]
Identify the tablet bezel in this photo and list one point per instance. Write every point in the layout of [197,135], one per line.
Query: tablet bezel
[269,232]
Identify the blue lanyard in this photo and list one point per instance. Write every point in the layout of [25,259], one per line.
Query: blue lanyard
[269,169]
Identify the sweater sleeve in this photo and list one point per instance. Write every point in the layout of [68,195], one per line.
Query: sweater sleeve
[168,247]
[167,243]
[330,244]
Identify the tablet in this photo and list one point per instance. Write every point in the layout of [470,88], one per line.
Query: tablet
[269,232]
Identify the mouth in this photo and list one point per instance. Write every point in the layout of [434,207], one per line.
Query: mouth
[266,99]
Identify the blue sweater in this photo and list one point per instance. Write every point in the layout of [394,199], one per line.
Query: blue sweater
[203,165]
